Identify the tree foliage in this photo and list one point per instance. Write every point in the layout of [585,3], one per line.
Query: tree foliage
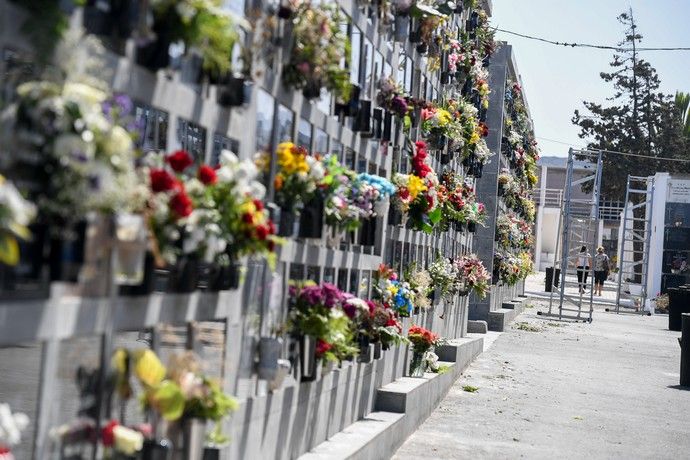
[638,118]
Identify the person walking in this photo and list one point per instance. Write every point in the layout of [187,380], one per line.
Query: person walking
[584,261]
[601,268]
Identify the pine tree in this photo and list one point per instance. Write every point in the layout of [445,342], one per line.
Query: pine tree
[638,119]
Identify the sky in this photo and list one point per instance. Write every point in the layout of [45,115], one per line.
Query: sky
[557,79]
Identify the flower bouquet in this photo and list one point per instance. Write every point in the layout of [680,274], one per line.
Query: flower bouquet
[473,275]
[319,49]
[11,427]
[180,394]
[444,277]
[392,292]
[387,328]
[416,195]
[318,316]
[421,284]
[391,96]
[423,342]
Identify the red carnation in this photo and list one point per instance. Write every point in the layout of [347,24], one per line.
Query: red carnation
[181,204]
[259,205]
[322,347]
[430,201]
[261,232]
[161,180]
[107,436]
[180,160]
[404,194]
[207,175]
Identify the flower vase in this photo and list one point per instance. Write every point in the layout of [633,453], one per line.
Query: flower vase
[154,54]
[445,158]
[184,275]
[67,253]
[157,450]
[131,238]
[365,352]
[312,90]
[423,48]
[194,437]
[467,87]
[95,275]
[445,78]
[234,93]
[471,227]
[270,350]
[286,223]
[148,281]
[417,364]
[401,28]
[307,358]
[378,350]
[311,219]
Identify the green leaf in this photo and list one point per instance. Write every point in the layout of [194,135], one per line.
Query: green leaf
[168,399]
[435,216]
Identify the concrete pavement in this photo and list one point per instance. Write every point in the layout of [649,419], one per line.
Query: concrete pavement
[548,389]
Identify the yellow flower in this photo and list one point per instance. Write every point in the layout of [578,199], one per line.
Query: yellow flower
[474,138]
[415,185]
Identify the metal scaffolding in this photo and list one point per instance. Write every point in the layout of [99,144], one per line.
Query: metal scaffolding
[633,253]
[578,226]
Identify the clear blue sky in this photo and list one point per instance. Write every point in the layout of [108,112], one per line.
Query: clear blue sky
[557,79]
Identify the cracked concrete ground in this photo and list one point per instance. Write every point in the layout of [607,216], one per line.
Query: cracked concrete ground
[548,389]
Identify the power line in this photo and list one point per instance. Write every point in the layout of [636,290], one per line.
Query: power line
[589,45]
[615,152]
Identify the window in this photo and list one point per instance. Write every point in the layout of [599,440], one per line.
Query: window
[192,138]
[286,120]
[320,142]
[304,134]
[221,143]
[153,126]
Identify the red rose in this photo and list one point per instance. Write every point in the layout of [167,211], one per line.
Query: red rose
[261,232]
[180,160]
[161,180]
[259,205]
[181,204]
[404,194]
[271,227]
[107,436]
[207,175]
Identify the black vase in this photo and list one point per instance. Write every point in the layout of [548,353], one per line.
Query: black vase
[378,123]
[460,226]
[148,284]
[445,78]
[362,122]
[423,48]
[445,158]
[471,227]
[387,134]
[286,223]
[285,12]
[221,277]
[467,87]
[367,232]
[312,90]
[234,92]
[157,450]
[154,54]
[184,275]
[311,219]
[67,255]
[377,350]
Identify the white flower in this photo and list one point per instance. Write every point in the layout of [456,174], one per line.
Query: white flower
[11,425]
[247,171]
[194,186]
[72,145]
[85,95]
[117,142]
[21,211]
[127,441]
[225,174]
[227,158]
[257,190]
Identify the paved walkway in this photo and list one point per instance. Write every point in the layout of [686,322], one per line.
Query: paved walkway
[565,390]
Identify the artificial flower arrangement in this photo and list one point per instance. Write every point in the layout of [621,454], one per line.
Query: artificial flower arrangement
[416,195]
[86,154]
[120,439]
[179,393]
[465,131]
[392,97]
[423,342]
[476,215]
[440,126]
[421,284]
[392,292]
[319,50]
[507,185]
[513,232]
[320,311]
[386,325]
[461,206]
[473,275]
[509,268]
[11,427]
[297,177]
[16,213]
[203,26]
[444,277]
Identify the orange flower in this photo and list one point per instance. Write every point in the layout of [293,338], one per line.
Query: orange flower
[278,182]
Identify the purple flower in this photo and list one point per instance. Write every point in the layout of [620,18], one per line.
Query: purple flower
[312,295]
[332,295]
